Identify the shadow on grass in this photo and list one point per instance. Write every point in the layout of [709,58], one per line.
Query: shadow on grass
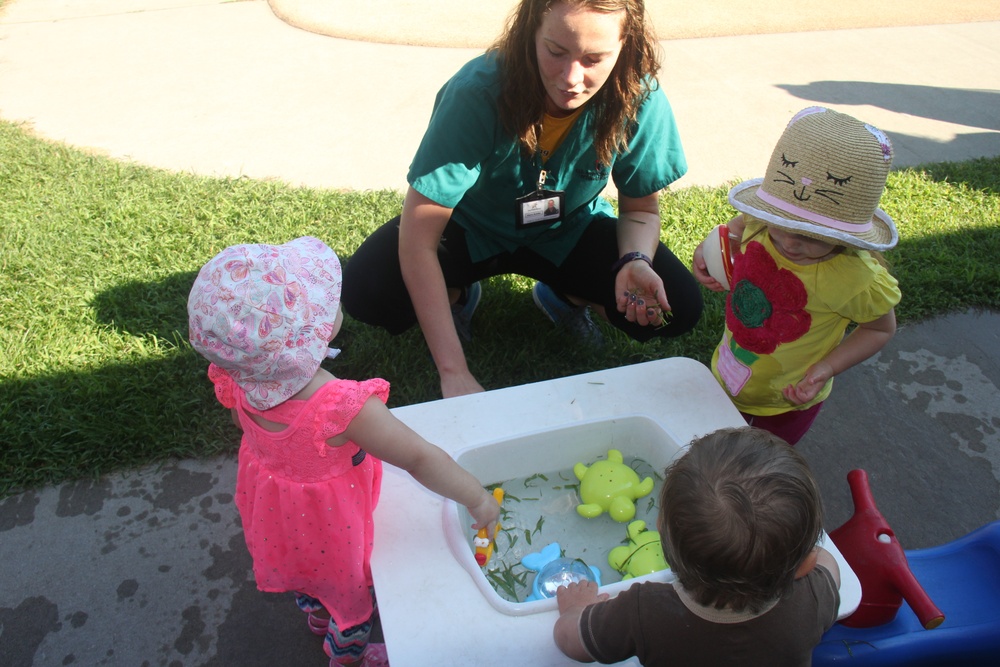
[74,425]
[982,174]
[969,281]
[513,343]
[147,308]
[82,424]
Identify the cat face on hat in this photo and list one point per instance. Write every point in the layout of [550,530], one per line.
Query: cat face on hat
[824,179]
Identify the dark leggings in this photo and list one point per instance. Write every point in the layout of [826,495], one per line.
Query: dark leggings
[374,291]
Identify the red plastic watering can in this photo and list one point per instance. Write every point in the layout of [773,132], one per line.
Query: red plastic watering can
[871,549]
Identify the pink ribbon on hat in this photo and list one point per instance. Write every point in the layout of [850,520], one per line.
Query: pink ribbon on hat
[833,223]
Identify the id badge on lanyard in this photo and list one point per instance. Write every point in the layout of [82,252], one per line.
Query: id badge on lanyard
[541,207]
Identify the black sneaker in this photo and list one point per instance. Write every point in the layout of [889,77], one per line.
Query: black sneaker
[463,309]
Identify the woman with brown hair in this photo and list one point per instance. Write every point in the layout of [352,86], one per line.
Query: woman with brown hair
[564,100]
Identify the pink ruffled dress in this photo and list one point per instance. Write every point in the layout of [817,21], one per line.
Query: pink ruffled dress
[307,507]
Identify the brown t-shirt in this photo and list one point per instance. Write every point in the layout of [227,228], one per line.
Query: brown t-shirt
[652,622]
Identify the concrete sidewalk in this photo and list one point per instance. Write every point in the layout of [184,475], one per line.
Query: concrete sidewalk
[225,88]
[149,567]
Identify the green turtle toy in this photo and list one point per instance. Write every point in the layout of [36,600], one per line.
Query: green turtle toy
[642,555]
[610,486]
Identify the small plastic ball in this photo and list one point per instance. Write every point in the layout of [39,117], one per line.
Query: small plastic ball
[561,572]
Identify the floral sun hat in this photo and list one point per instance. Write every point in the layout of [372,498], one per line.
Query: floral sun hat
[824,180]
[265,314]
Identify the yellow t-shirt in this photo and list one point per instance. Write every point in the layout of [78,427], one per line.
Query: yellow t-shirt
[554,130]
[782,317]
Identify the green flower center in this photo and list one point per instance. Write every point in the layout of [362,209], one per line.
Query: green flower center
[750,305]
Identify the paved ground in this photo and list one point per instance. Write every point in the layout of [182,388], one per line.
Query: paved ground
[225,88]
[459,23]
[149,567]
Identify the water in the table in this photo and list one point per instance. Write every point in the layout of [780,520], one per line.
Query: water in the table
[541,509]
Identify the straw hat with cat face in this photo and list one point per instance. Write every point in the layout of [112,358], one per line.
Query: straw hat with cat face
[824,180]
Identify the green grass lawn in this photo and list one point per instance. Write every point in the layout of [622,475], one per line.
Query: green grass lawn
[98,255]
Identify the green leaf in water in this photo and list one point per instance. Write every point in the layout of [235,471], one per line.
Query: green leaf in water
[536,476]
[512,540]
[502,583]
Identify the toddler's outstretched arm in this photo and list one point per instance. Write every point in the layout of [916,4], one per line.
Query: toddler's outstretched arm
[377,431]
[866,340]
[827,560]
[573,599]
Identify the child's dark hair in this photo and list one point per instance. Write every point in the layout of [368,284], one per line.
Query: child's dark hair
[740,512]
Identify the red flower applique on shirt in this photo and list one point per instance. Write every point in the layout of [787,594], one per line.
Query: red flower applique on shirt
[766,305]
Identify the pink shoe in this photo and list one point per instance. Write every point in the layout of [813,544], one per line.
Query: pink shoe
[318,625]
[375,655]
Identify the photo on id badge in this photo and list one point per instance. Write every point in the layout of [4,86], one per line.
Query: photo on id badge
[540,210]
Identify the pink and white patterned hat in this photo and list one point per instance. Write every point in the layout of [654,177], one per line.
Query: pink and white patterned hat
[265,314]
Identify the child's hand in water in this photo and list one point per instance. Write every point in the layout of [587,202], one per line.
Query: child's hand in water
[485,513]
[577,595]
[809,386]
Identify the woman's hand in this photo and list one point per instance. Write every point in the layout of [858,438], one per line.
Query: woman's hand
[459,384]
[641,295]
[639,290]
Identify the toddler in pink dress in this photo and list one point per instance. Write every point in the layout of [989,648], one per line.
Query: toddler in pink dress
[310,460]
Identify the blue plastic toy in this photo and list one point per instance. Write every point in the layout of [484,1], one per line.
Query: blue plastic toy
[554,571]
[962,578]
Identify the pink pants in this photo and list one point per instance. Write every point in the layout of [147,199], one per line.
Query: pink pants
[789,426]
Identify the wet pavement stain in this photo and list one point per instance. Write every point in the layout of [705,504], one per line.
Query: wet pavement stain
[83,497]
[18,510]
[921,418]
[233,562]
[180,487]
[127,589]
[122,554]
[970,422]
[192,632]
[77,619]
[150,567]
[25,627]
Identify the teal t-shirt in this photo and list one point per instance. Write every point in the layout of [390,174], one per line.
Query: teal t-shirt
[468,162]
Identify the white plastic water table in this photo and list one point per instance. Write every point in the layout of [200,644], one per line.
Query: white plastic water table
[433,611]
